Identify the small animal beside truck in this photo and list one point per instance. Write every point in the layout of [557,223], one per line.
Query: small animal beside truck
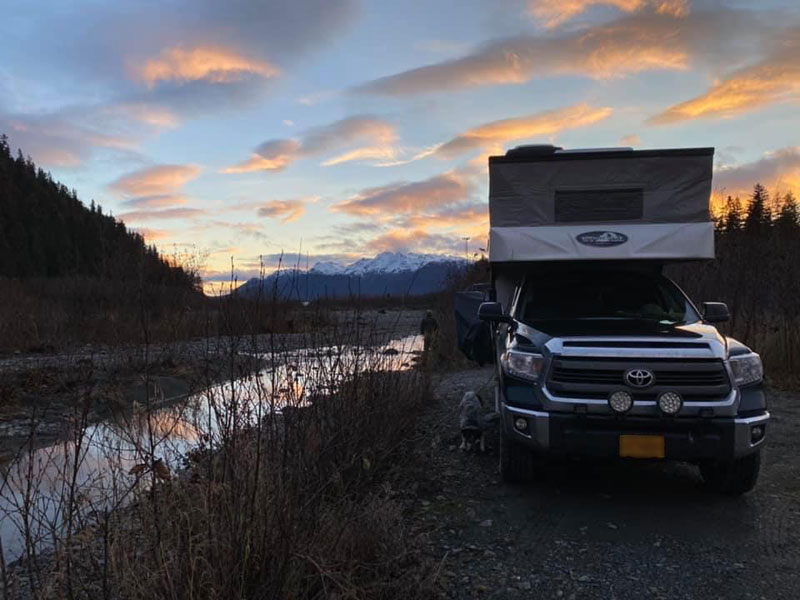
[599,354]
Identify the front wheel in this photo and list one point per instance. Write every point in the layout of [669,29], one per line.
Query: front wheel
[516,461]
[732,477]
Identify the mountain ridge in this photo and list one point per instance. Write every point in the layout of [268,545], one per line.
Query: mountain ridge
[386,274]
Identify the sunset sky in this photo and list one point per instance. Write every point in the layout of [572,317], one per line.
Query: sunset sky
[343,128]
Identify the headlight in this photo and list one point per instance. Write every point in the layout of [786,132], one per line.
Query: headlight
[522,364]
[746,369]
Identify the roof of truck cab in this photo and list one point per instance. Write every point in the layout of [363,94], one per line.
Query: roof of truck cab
[591,154]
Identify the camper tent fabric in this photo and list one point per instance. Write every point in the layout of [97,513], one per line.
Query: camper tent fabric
[650,204]
[474,336]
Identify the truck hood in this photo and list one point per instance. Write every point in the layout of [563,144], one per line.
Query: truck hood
[536,336]
[623,327]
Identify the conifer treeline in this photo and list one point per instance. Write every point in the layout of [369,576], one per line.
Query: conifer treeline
[45,231]
[757,273]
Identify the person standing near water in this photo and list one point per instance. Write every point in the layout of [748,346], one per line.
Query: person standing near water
[429,328]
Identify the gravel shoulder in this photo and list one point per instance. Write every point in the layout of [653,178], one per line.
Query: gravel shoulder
[620,529]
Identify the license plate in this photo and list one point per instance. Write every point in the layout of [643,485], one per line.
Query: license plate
[641,446]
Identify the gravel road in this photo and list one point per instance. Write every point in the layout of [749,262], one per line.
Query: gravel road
[633,529]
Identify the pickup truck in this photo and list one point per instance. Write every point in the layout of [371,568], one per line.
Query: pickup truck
[614,360]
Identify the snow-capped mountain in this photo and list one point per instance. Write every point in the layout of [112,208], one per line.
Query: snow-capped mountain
[393,274]
[385,262]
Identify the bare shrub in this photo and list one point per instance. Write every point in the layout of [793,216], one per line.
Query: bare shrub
[262,484]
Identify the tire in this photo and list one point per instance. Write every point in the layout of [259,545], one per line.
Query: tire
[516,461]
[733,478]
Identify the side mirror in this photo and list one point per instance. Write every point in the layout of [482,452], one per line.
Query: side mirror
[493,311]
[716,312]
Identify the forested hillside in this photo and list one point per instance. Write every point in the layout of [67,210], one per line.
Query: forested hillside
[46,231]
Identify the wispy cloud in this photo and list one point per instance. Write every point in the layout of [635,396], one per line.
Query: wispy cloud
[70,136]
[158,180]
[645,41]
[214,64]
[169,213]
[778,170]
[153,193]
[530,126]
[390,200]
[152,235]
[470,215]
[632,140]
[555,12]
[274,155]
[382,154]
[404,240]
[346,135]
[772,80]
[285,210]
[158,201]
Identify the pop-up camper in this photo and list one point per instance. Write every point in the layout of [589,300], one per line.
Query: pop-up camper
[548,205]
[598,353]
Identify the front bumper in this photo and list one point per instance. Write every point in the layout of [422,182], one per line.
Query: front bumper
[686,439]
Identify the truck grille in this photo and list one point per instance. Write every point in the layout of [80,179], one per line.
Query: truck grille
[701,380]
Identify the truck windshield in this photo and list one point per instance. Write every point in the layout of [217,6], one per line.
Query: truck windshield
[604,295]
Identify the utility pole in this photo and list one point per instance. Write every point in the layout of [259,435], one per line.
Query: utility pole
[466,247]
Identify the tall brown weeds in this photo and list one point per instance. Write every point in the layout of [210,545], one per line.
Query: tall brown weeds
[270,484]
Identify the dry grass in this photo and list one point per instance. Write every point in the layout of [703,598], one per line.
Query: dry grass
[281,492]
[48,315]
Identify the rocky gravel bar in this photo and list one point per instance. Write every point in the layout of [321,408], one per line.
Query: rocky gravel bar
[618,529]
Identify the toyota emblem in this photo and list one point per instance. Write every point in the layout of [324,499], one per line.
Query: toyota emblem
[639,378]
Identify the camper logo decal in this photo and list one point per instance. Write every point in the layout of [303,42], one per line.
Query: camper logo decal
[602,239]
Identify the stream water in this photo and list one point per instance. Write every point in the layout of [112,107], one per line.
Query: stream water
[34,487]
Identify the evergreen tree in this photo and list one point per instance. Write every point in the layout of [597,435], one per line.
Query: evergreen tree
[788,219]
[46,231]
[759,217]
[732,215]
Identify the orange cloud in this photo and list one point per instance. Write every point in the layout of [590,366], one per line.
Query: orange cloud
[257,162]
[630,140]
[209,63]
[546,123]
[285,210]
[775,79]
[387,201]
[471,216]
[157,117]
[385,153]
[401,240]
[778,171]
[158,180]
[151,235]
[623,47]
[555,12]
[276,155]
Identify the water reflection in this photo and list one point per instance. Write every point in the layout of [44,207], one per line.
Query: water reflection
[36,486]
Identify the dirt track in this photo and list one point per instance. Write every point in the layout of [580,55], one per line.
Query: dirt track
[615,530]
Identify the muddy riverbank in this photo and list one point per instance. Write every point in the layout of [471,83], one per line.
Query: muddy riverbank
[40,394]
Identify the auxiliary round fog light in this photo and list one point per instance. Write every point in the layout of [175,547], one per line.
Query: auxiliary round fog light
[521,424]
[620,402]
[670,403]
